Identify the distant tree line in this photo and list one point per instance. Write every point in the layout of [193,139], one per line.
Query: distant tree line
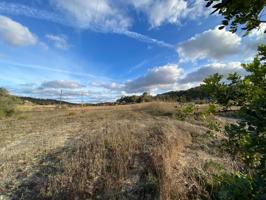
[192,94]
[39,101]
[145,97]
[197,94]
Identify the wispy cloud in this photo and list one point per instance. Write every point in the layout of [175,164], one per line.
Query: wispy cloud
[61,84]
[66,90]
[23,10]
[52,69]
[144,38]
[59,41]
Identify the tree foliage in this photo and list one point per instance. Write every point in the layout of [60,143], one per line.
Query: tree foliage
[3,92]
[244,14]
[226,93]
[247,138]
[145,97]
[7,103]
[192,94]
[196,94]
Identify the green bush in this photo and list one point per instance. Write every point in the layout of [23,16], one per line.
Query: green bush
[189,108]
[212,109]
[7,103]
[246,139]
[233,186]
[185,111]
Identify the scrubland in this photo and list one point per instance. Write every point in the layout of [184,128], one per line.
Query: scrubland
[140,151]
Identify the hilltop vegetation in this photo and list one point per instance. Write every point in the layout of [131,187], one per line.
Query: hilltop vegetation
[39,101]
[197,94]
[7,103]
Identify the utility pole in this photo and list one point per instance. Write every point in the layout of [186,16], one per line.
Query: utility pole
[82,100]
[61,94]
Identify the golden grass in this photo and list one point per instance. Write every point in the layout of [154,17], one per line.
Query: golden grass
[113,152]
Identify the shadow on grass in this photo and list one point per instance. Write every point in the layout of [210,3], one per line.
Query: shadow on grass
[142,169]
[31,187]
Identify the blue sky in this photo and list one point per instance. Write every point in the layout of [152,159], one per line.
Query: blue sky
[99,50]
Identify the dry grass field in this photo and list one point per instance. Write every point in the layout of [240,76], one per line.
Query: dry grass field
[115,152]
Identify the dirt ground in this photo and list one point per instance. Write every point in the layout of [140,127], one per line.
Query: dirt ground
[36,141]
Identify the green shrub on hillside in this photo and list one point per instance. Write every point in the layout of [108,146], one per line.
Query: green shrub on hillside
[189,108]
[7,103]
[145,97]
[233,186]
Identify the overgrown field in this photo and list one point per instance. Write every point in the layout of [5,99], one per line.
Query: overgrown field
[144,151]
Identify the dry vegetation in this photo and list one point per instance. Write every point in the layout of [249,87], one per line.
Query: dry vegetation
[116,152]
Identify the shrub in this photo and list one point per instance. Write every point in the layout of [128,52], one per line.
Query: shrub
[233,186]
[212,109]
[7,103]
[246,139]
[189,108]
[185,111]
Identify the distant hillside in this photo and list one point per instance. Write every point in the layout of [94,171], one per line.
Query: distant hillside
[44,101]
[193,94]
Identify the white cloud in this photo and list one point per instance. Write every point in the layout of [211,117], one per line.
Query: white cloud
[198,9]
[156,78]
[23,10]
[61,84]
[59,42]
[171,77]
[259,33]
[211,44]
[70,92]
[253,40]
[103,16]
[184,86]
[109,86]
[201,73]
[111,16]
[144,38]
[169,11]
[15,34]
[94,14]
[160,12]
[72,95]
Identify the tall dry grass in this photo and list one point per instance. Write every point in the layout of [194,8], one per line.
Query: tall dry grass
[124,152]
[120,162]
